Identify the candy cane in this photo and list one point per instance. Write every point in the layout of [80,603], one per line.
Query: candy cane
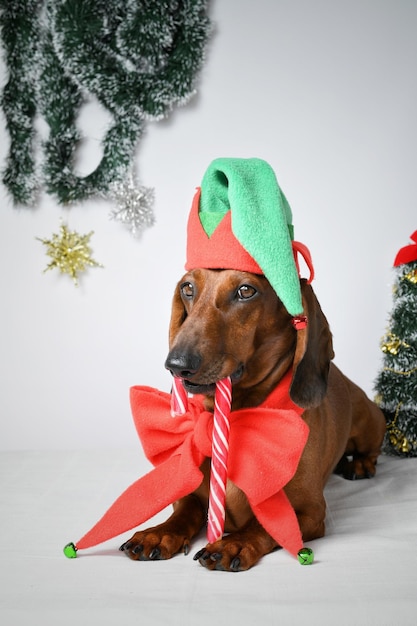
[179,398]
[220,450]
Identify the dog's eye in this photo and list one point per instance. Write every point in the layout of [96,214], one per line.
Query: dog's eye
[187,290]
[245,292]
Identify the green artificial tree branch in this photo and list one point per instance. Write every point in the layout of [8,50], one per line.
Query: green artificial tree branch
[396,383]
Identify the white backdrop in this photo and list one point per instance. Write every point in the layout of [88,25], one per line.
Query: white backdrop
[326,91]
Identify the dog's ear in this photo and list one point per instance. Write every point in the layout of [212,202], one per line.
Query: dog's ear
[178,314]
[314,351]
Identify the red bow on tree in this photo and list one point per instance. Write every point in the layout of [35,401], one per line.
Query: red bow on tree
[265,447]
[408,253]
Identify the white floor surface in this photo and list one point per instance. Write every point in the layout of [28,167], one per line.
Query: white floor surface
[365,569]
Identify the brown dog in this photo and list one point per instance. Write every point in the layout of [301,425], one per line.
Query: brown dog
[231,323]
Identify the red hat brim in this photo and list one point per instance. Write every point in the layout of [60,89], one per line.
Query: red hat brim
[219,251]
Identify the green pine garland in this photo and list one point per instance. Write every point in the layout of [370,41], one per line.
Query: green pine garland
[396,384]
[139,58]
[19,96]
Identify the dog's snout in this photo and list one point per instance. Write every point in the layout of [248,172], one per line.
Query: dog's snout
[183,364]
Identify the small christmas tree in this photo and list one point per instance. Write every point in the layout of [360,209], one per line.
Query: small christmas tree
[396,384]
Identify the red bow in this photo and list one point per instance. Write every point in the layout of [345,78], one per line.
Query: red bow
[265,447]
[408,253]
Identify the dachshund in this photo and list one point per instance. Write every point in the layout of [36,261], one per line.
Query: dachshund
[232,323]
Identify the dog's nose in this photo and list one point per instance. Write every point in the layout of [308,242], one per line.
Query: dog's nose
[182,364]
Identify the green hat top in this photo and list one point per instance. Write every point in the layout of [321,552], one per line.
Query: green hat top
[242,206]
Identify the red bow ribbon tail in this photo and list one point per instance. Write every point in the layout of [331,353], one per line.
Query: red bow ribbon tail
[176,473]
[144,498]
[271,446]
[287,532]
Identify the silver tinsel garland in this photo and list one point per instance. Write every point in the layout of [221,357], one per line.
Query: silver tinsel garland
[138,58]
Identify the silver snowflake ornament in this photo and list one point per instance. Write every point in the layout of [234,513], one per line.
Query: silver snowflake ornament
[133,205]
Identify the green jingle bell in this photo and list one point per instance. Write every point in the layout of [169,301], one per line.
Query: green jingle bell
[70,551]
[305,556]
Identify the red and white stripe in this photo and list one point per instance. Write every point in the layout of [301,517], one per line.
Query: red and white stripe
[179,398]
[220,451]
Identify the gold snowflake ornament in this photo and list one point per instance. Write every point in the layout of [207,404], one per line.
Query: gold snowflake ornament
[70,252]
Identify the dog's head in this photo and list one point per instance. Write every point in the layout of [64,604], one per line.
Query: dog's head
[231,323]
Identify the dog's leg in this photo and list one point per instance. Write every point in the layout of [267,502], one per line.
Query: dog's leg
[364,444]
[173,536]
[242,549]
[238,551]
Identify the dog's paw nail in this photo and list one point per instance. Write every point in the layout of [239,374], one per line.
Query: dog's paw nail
[349,476]
[235,564]
[125,546]
[216,556]
[186,548]
[202,555]
[199,554]
[155,554]
[138,549]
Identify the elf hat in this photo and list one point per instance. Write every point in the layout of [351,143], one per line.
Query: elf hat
[241,220]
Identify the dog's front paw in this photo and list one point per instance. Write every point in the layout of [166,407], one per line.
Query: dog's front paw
[228,554]
[154,545]
[356,467]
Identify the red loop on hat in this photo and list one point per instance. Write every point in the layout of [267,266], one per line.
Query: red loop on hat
[300,248]
[299,322]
